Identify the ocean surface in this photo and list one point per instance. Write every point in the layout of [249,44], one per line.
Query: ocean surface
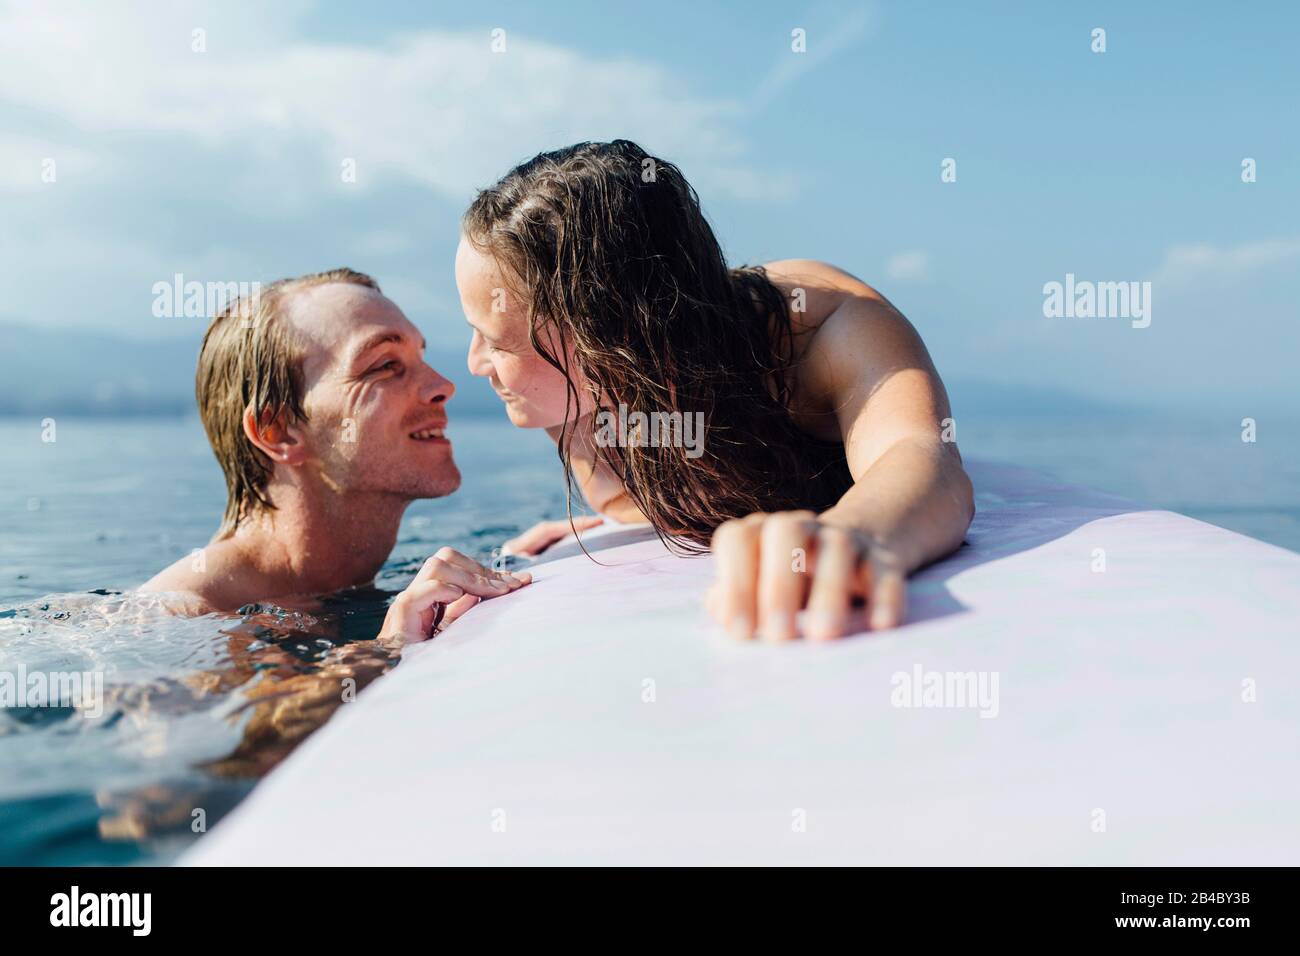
[196,711]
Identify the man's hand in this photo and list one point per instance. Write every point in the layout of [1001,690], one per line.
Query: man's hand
[448,578]
[545,533]
[771,566]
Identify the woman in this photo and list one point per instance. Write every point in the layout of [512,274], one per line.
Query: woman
[596,289]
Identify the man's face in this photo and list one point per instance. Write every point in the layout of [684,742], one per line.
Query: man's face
[376,412]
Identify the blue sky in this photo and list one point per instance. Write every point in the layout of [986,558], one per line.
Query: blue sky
[1117,166]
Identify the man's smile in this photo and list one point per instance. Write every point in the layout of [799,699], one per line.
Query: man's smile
[431,432]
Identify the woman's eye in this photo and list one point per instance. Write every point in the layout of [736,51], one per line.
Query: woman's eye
[393,365]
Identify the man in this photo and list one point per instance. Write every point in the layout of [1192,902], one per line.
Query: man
[327,423]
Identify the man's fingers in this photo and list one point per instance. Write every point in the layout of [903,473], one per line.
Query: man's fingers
[452,579]
[410,616]
[782,580]
[834,583]
[454,558]
[469,575]
[484,584]
[735,548]
[421,595]
[458,607]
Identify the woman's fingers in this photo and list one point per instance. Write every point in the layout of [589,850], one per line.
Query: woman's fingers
[544,534]
[834,584]
[888,597]
[771,567]
[783,578]
[736,550]
[528,543]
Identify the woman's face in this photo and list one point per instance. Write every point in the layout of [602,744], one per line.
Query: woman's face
[533,391]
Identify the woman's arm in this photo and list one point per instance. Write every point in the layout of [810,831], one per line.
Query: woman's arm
[866,374]
[599,486]
[602,488]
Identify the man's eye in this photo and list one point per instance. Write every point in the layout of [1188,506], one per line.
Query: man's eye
[393,365]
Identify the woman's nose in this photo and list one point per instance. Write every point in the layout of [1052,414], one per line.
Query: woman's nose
[477,359]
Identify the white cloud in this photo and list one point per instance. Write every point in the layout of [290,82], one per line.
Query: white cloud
[436,108]
[226,163]
[908,266]
[24,159]
[822,44]
[1187,265]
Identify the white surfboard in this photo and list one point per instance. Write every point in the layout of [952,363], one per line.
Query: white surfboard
[1085,682]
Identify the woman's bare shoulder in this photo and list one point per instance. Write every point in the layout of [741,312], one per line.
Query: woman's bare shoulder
[820,274]
[816,289]
[854,337]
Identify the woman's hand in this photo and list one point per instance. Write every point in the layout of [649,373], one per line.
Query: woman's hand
[545,533]
[771,566]
[448,578]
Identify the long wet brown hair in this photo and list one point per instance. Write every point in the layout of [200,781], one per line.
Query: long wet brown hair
[614,259]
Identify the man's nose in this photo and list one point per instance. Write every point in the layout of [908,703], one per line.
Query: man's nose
[437,388]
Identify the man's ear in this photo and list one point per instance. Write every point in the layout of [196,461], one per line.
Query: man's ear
[273,437]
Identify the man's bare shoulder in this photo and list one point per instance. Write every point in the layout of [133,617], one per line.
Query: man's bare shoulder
[208,580]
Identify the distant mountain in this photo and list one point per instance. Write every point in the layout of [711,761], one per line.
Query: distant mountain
[982,399]
[66,371]
[75,372]
[46,371]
